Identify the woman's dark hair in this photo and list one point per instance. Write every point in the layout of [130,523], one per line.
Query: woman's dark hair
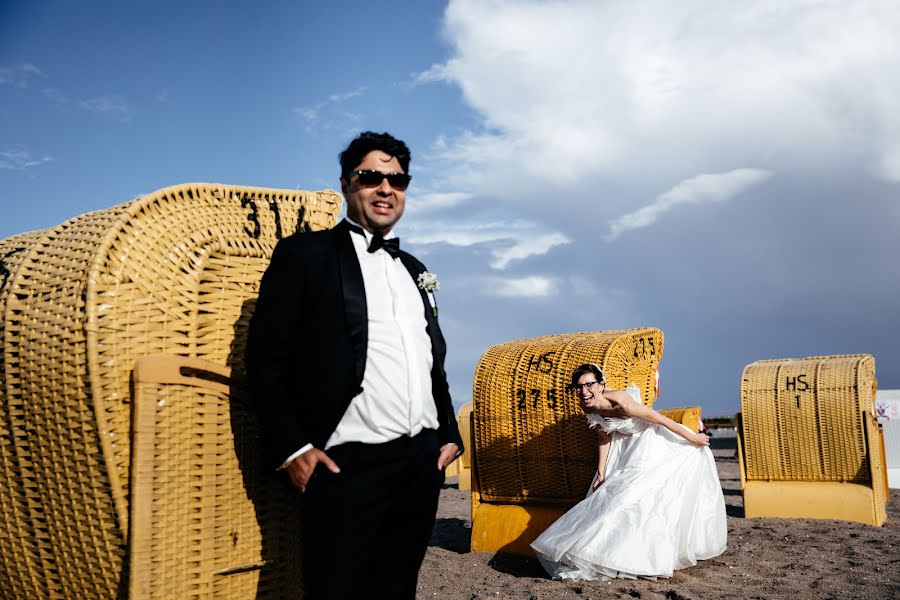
[368,141]
[584,369]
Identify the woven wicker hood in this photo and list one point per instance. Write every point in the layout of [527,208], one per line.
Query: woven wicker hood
[174,272]
[531,441]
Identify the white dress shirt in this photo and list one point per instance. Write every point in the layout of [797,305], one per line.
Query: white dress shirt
[396,399]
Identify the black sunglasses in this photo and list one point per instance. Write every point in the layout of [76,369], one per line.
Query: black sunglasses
[369,178]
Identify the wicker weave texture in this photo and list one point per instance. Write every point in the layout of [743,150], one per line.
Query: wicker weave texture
[19,546]
[803,418]
[464,422]
[174,272]
[464,462]
[531,442]
[234,534]
[877,466]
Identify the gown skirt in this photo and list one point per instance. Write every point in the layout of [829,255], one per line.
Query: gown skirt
[661,508]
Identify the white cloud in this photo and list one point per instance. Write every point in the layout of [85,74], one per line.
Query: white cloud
[311,115]
[19,160]
[526,247]
[112,105]
[336,98]
[889,166]
[56,96]
[32,70]
[20,75]
[620,90]
[522,287]
[507,242]
[429,201]
[434,73]
[703,188]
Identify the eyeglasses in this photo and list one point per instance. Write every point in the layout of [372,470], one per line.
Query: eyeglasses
[370,178]
[587,385]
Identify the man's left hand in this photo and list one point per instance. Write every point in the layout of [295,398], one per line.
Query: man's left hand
[448,453]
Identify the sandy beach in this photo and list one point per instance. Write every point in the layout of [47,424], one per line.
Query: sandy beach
[766,558]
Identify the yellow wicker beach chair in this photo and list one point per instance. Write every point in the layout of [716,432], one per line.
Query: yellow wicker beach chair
[808,443]
[175,273]
[689,416]
[464,421]
[534,456]
[209,518]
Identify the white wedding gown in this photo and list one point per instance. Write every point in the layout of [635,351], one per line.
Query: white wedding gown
[661,508]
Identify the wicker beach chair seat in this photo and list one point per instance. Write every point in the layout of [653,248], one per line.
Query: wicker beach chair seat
[534,456]
[232,531]
[172,273]
[809,444]
[464,462]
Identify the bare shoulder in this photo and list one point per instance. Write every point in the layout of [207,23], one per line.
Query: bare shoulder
[628,405]
[611,406]
[618,397]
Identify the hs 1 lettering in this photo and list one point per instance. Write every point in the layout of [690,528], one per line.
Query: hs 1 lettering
[797,384]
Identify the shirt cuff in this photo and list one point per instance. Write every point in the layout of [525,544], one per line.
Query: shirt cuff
[290,458]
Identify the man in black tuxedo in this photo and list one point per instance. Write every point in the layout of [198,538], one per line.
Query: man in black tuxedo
[345,360]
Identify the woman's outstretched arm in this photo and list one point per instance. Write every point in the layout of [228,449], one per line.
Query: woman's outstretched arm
[633,408]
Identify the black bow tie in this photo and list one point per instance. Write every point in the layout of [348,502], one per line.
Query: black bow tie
[391,246]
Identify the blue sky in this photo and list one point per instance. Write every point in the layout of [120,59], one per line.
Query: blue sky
[727,173]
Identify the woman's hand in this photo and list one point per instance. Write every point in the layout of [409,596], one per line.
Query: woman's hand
[699,439]
[598,481]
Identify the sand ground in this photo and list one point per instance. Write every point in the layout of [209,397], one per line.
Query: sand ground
[779,559]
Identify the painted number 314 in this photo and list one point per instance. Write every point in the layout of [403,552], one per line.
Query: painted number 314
[255,228]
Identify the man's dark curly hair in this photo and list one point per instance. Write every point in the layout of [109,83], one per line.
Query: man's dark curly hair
[368,141]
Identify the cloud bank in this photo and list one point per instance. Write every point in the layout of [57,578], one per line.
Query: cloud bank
[577,89]
[724,171]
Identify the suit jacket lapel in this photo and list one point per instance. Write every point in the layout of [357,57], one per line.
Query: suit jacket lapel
[437,340]
[354,297]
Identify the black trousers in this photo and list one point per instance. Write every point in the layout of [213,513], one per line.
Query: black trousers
[366,529]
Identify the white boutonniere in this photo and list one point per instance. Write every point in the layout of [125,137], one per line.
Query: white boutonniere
[428,282]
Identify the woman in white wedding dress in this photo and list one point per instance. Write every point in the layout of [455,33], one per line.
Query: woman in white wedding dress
[655,504]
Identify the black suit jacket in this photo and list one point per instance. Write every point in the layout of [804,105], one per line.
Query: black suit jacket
[306,351]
